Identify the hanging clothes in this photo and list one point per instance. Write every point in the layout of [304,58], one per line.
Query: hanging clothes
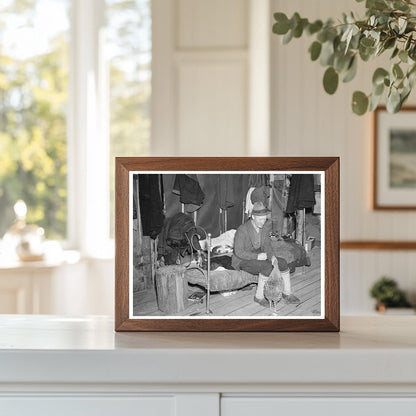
[301,193]
[191,194]
[151,204]
[137,220]
[261,194]
[257,180]
[280,195]
[227,190]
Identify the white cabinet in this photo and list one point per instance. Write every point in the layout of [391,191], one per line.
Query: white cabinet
[272,406]
[88,406]
[79,366]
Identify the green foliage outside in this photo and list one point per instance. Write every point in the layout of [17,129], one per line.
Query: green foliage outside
[33,108]
[389,27]
[33,97]
[130,82]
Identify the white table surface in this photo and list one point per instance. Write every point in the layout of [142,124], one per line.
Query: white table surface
[46,349]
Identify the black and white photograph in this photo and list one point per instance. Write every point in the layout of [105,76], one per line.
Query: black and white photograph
[226,245]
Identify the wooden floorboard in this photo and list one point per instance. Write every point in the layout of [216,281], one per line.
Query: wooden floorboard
[305,282]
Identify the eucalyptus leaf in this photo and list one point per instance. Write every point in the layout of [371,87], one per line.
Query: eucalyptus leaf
[393,101]
[350,73]
[315,50]
[408,42]
[395,52]
[359,103]
[397,71]
[288,37]
[327,53]
[330,80]
[374,102]
[403,56]
[376,4]
[402,22]
[314,27]
[281,27]
[367,42]
[389,43]
[298,30]
[341,62]
[378,89]
[379,75]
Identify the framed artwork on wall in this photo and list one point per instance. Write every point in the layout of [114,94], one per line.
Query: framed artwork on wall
[227,244]
[394,149]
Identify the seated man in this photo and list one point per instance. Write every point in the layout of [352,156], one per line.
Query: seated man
[253,253]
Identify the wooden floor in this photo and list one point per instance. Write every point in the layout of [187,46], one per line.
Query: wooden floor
[306,285]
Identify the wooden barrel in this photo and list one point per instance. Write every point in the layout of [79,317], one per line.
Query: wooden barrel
[171,289]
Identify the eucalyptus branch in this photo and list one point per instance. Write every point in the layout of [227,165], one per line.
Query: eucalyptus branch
[388,26]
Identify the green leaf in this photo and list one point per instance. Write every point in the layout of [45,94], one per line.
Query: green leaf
[314,27]
[374,101]
[397,71]
[379,75]
[376,4]
[288,37]
[351,71]
[359,103]
[366,53]
[389,43]
[294,20]
[378,89]
[327,53]
[341,61]
[403,56]
[281,27]
[393,101]
[408,42]
[298,30]
[330,80]
[402,24]
[395,52]
[315,50]
[367,42]
[404,95]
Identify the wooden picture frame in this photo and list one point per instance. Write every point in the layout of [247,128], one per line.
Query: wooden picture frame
[394,158]
[133,170]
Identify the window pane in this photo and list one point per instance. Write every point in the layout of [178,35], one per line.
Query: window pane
[129,45]
[33,99]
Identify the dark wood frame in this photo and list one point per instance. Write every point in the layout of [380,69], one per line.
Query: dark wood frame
[330,165]
[378,245]
[376,205]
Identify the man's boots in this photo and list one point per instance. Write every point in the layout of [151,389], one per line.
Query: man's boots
[287,290]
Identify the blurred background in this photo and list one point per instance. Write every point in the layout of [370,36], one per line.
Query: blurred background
[83,81]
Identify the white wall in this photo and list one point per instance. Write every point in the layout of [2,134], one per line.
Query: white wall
[211,64]
[308,122]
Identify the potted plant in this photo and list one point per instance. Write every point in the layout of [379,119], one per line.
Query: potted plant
[387,294]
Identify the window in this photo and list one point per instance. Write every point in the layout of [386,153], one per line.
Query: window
[33,98]
[129,46]
[75,87]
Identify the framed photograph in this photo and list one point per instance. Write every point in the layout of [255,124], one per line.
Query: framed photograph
[394,180]
[227,244]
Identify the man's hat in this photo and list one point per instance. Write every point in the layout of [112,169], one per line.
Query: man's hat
[259,209]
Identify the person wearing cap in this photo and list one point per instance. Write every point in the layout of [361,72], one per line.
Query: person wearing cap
[253,253]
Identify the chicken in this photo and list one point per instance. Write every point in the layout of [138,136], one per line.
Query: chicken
[273,289]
